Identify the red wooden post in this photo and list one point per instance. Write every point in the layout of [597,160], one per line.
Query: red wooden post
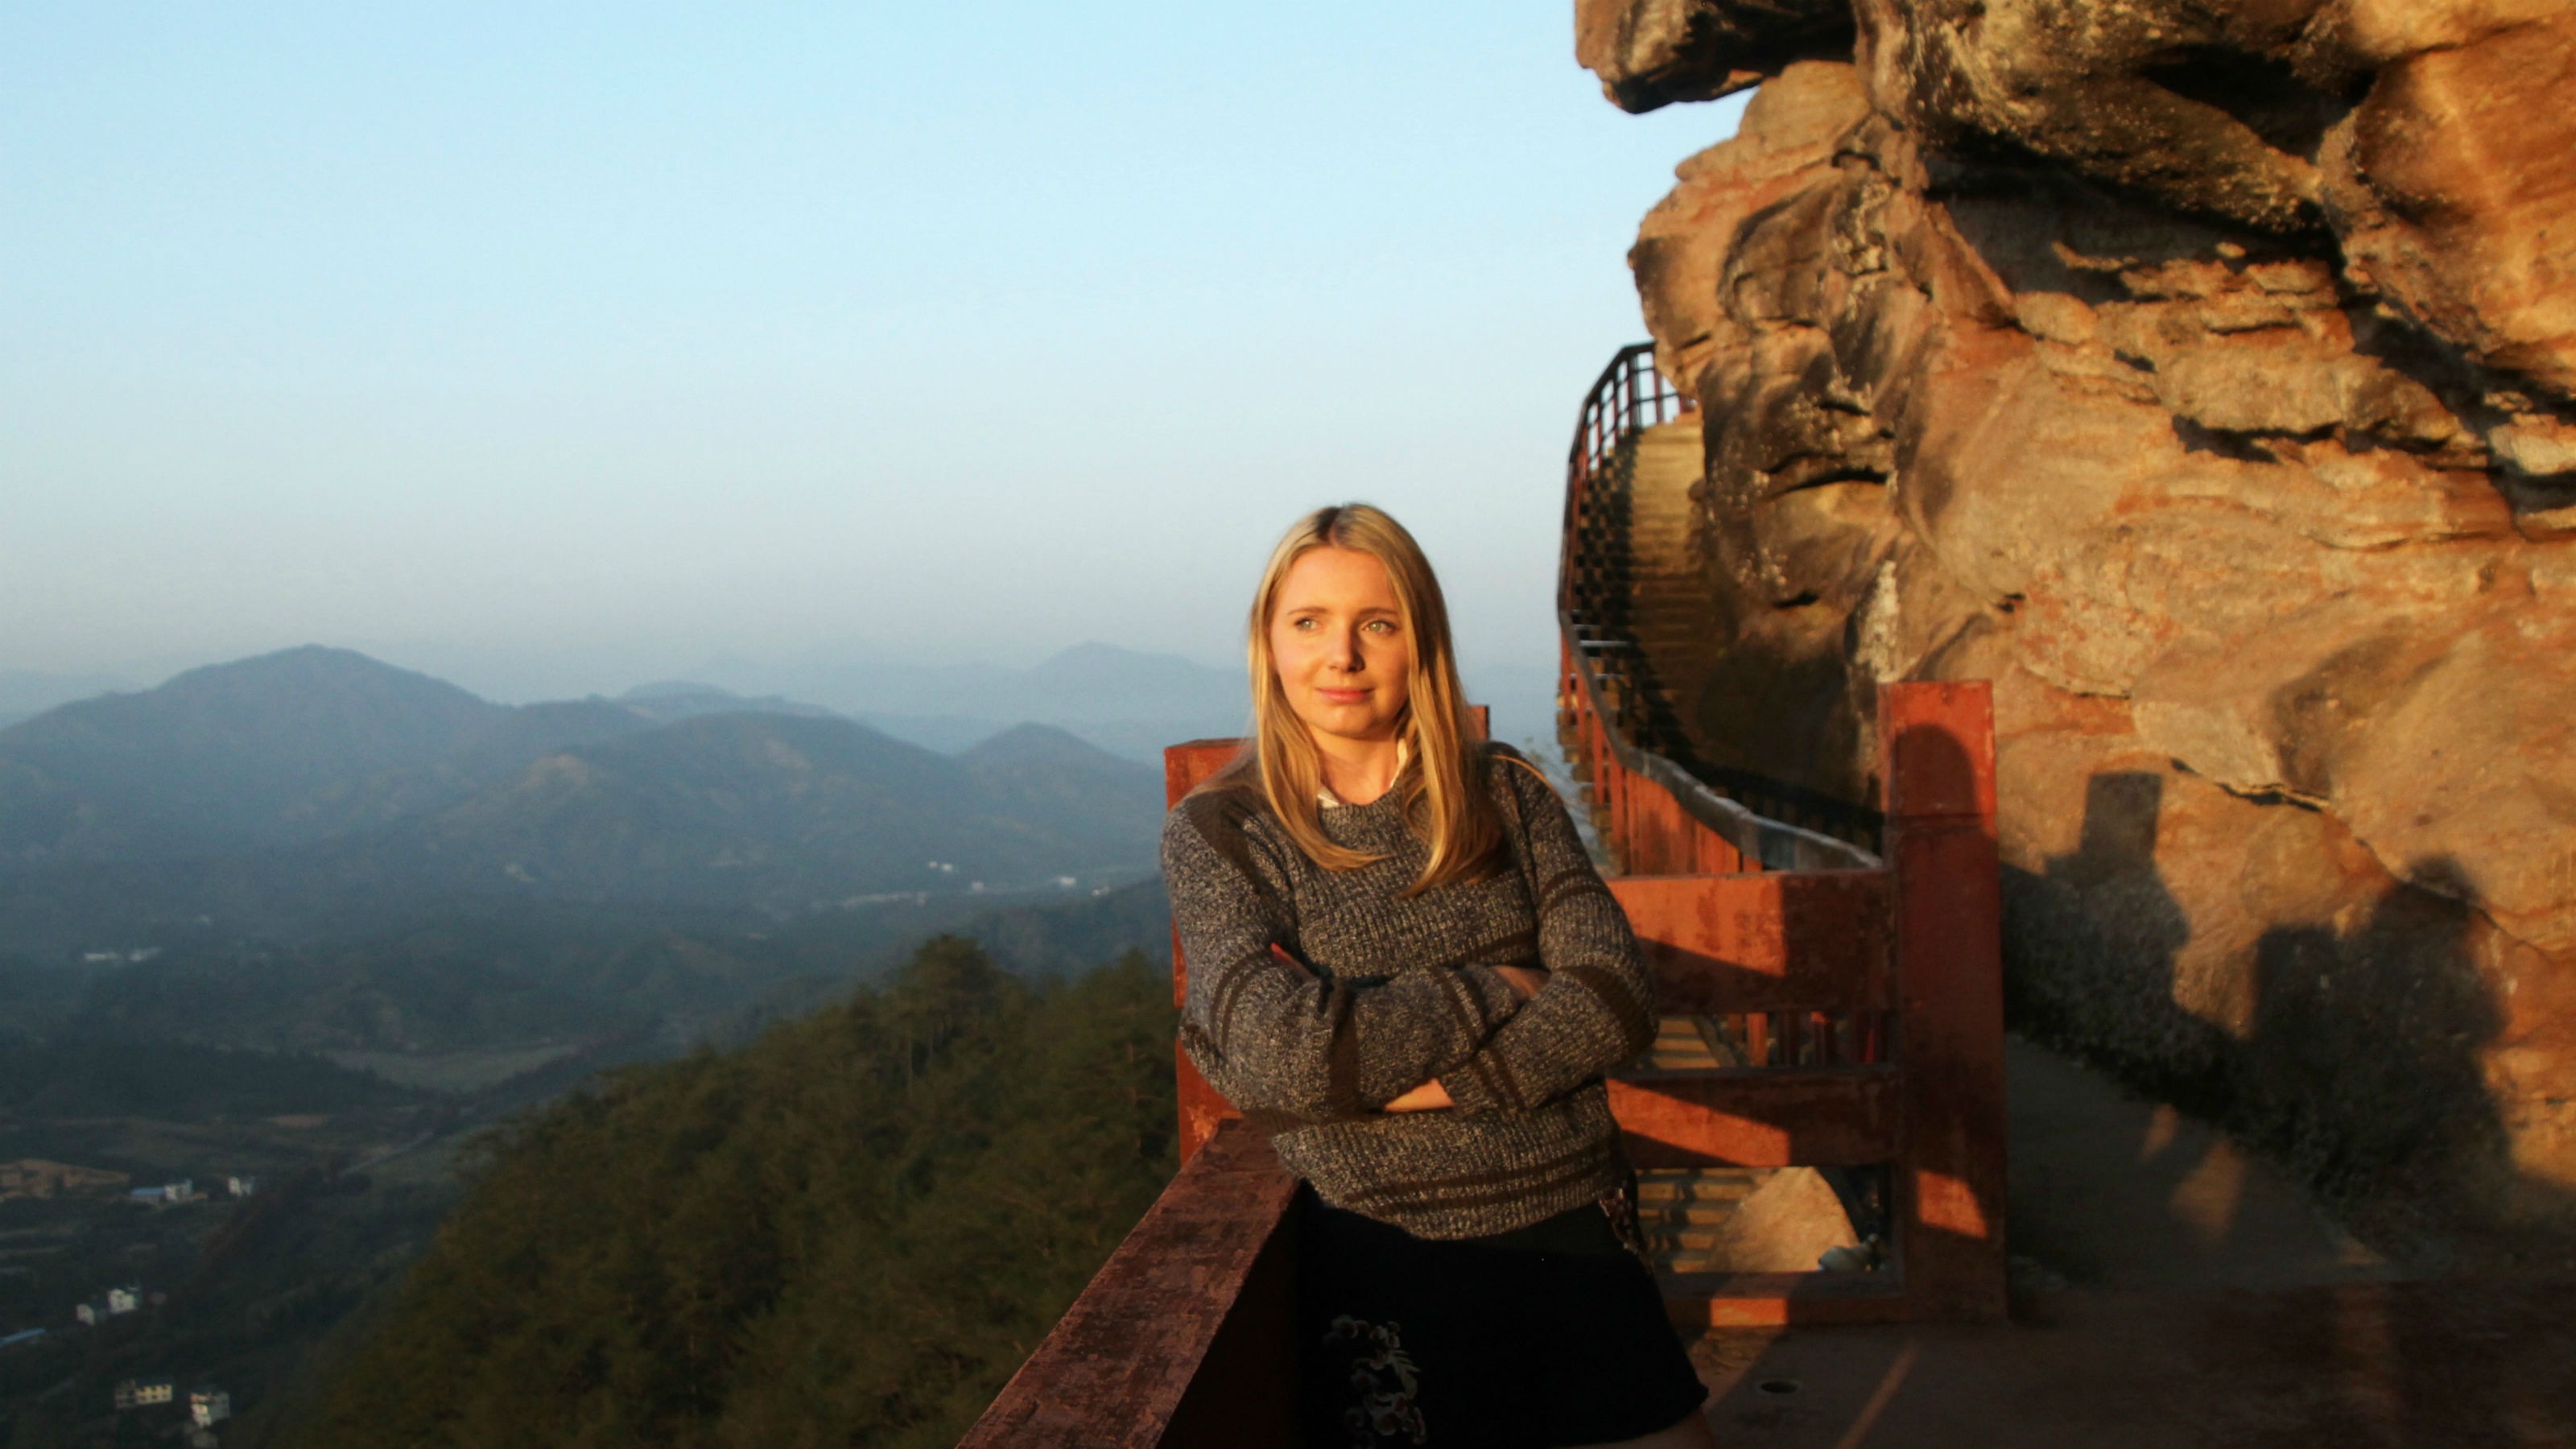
[1627,816]
[1675,853]
[1202,1106]
[1596,754]
[1936,746]
[1714,854]
[1645,854]
[1605,781]
[1569,695]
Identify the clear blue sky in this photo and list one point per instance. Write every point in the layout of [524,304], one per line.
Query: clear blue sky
[555,347]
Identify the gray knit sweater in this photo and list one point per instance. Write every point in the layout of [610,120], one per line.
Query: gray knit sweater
[1395,992]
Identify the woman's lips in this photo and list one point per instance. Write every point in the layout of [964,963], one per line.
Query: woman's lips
[1342,696]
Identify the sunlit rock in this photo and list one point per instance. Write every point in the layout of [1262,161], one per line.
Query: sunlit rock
[2206,377]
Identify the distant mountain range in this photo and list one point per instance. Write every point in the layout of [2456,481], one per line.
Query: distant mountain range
[317,792]
[1126,702]
[315,783]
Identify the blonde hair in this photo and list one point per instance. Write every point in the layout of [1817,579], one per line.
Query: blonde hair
[1445,799]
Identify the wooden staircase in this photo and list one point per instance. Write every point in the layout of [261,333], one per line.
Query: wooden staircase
[1836,1008]
[1660,601]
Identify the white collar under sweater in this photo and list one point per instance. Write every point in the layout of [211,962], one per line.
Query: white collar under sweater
[1325,797]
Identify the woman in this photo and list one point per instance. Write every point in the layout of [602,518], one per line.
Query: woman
[1404,968]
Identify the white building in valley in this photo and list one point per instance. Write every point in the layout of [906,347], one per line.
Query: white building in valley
[144,1393]
[209,1406]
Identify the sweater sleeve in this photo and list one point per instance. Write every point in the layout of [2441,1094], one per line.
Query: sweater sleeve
[1597,1009]
[1273,1036]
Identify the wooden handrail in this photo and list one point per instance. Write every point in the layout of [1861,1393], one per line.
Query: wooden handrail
[1185,1338]
[1768,844]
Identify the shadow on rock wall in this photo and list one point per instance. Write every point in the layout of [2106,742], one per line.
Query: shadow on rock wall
[2359,1059]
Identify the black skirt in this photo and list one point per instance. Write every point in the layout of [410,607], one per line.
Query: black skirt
[1551,1335]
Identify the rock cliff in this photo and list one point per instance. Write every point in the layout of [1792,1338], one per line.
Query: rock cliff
[2205,376]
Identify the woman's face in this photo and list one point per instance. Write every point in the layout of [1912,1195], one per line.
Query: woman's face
[1339,644]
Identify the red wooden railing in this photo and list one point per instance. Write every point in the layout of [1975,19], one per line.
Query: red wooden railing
[1864,989]
[1868,1001]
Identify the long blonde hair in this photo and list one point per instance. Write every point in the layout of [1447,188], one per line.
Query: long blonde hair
[1443,790]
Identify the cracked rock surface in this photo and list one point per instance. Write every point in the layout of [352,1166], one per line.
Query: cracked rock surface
[2204,376]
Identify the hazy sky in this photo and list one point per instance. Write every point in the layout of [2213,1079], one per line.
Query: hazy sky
[555,347]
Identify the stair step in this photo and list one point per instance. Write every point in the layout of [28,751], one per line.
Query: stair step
[1667,1189]
[1700,1061]
[1706,1213]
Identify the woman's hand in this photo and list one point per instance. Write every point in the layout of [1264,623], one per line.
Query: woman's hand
[1525,981]
[1429,1097]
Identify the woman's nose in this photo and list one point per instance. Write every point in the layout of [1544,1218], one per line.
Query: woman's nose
[1346,650]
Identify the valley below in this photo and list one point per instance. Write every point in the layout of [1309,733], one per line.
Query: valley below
[295,936]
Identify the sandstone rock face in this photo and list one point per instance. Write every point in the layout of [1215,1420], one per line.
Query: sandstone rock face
[1650,53]
[2206,377]
[2451,188]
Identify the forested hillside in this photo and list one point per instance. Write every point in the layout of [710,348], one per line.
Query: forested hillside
[849,1232]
